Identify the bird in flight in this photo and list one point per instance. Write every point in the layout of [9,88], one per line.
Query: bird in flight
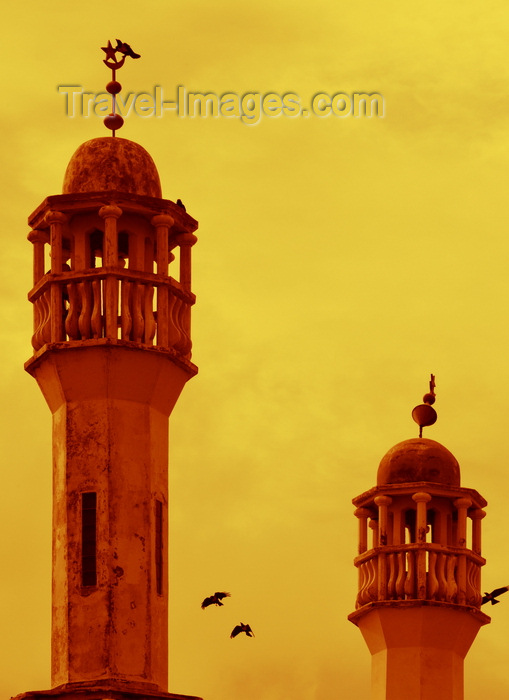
[126,49]
[215,599]
[242,628]
[487,597]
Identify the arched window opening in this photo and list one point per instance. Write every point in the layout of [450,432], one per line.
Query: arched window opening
[150,263]
[454,528]
[410,521]
[174,270]
[123,249]
[432,529]
[159,547]
[96,249]
[89,539]
[67,254]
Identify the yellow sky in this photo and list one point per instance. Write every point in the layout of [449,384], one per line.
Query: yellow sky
[339,262]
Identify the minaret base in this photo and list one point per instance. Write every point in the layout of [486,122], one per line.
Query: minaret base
[418,647]
[104,690]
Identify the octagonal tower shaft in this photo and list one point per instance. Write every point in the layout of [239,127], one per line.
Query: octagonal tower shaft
[112,353]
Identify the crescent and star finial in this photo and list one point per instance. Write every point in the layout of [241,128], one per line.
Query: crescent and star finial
[114,121]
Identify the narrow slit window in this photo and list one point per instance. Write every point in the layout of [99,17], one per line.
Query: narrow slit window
[159,547]
[89,539]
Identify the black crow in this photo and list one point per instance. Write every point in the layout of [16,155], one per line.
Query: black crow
[242,628]
[215,599]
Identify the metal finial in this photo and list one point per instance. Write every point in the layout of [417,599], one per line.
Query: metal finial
[114,121]
[425,414]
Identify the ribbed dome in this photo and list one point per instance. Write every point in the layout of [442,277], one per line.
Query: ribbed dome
[111,163]
[419,459]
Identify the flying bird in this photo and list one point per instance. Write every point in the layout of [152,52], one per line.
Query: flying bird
[126,49]
[215,599]
[487,597]
[180,204]
[242,628]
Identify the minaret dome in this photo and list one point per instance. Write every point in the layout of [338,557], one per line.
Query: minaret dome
[107,163]
[419,459]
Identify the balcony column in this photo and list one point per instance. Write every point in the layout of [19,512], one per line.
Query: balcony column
[363,515]
[162,224]
[462,504]
[185,241]
[110,213]
[477,515]
[382,502]
[56,221]
[373,588]
[38,238]
[421,500]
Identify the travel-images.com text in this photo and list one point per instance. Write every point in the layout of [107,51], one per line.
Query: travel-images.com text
[249,107]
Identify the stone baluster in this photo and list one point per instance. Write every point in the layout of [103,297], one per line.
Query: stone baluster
[421,499]
[56,220]
[110,213]
[162,224]
[382,502]
[462,504]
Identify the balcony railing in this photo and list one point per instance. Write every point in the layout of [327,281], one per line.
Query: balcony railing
[419,571]
[119,304]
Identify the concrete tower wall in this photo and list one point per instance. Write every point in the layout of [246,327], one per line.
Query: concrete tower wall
[110,438]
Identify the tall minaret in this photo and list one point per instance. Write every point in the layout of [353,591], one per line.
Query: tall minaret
[112,351]
[418,605]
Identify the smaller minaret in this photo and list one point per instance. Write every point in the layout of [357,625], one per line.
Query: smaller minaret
[419,598]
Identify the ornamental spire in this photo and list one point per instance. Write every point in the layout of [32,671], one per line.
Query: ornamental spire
[114,121]
[425,414]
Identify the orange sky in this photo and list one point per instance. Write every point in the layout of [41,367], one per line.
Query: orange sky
[339,262]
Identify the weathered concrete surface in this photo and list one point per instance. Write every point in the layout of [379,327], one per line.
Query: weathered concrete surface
[108,163]
[110,408]
[419,459]
[108,690]
[418,649]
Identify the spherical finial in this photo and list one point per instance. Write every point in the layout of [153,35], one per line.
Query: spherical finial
[113,122]
[424,414]
[113,87]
